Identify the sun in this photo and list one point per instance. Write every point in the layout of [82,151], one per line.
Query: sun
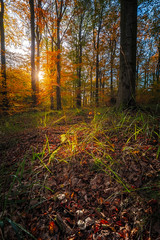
[41,75]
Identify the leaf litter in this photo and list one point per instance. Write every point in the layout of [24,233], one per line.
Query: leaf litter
[81,181]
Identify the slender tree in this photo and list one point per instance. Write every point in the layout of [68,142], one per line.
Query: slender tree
[79,60]
[128,39]
[33,70]
[49,20]
[97,61]
[97,28]
[38,40]
[5,102]
[60,10]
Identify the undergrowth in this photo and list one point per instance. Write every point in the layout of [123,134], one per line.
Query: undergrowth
[108,141]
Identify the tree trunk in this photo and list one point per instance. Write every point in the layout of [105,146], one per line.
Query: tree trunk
[79,77]
[5,102]
[38,41]
[38,66]
[58,89]
[97,59]
[33,72]
[52,72]
[128,26]
[79,63]
[112,49]
[111,86]
[97,78]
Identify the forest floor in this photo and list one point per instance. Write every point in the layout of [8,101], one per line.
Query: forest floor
[83,174]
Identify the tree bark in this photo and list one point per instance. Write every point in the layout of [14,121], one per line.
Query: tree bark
[97,78]
[38,41]
[33,71]
[79,49]
[128,26]
[60,9]
[112,49]
[5,102]
[97,58]
[52,73]
[58,89]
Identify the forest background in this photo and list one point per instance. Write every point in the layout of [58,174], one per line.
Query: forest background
[67,53]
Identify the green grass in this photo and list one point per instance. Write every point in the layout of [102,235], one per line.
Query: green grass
[27,120]
[19,122]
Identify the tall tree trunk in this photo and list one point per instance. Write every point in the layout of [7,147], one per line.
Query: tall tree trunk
[97,78]
[38,66]
[33,72]
[103,84]
[97,59]
[79,63]
[79,77]
[52,70]
[111,86]
[113,49]
[38,41]
[128,25]
[5,102]
[58,88]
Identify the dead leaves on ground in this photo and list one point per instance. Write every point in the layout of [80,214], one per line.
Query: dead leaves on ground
[76,199]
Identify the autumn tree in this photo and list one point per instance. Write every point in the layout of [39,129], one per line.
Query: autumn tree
[60,6]
[38,37]
[55,22]
[79,58]
[97,27]
[128,26]
[57,33]
[33,70]
[29,15]
[112,38]
[49,17]
[76,43]
[79,31]
[5,102]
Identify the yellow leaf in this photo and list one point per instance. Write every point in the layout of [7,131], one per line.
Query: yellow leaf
[63,138]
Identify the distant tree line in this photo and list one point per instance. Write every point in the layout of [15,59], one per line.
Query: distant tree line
[79,52]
